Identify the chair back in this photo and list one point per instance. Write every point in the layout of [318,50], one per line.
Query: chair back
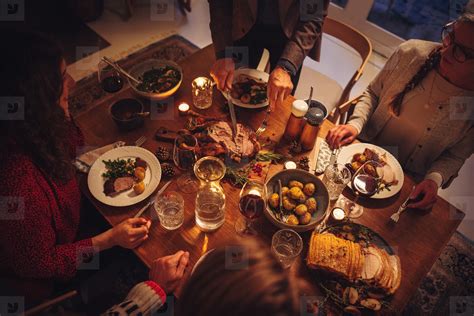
[355,39]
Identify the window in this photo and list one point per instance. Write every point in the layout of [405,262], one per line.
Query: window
[390,22]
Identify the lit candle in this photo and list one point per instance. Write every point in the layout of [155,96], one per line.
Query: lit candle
[200,82]
[338,214]
[202,92]
[290,165]
[183,108]
[255,192]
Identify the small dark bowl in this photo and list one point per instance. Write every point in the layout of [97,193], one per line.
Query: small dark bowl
[123,111]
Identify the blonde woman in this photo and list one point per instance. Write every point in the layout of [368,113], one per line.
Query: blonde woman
[412,105]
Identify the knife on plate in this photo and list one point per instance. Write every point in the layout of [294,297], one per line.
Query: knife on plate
[152,199]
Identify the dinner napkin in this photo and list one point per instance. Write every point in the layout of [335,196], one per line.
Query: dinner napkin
[324,156]
[86,160]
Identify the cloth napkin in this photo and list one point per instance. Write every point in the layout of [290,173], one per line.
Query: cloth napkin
[324,156]
[84,161]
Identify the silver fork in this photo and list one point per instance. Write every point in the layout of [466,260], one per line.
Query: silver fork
[396,216]
[264,124]
[140,141]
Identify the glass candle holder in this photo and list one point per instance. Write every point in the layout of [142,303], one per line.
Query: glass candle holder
[202,92]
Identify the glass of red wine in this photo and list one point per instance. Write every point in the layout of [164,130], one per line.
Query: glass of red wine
[365,182]
[109,78]
[251,204]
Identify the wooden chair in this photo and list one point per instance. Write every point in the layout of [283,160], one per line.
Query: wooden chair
[355,39]
[361,44]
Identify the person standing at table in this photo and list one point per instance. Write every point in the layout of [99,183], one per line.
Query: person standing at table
[422,103]
[40,201]
[289,29]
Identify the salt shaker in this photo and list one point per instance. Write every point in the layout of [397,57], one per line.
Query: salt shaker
[296,121]
[314,117]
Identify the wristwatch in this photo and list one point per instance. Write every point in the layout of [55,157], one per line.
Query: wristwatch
[287,66]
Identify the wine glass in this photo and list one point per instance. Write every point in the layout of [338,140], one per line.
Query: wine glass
[252,203]
[365,181]
[184,157]
[109,78]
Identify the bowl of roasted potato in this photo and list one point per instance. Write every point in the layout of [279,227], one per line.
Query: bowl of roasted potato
[304,202]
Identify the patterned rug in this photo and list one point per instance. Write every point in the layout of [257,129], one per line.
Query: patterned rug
[448,289]
[88,92]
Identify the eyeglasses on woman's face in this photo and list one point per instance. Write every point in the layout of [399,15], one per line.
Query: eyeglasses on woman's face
[460,53]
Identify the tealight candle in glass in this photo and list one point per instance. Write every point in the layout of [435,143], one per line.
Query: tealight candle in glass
[202,92]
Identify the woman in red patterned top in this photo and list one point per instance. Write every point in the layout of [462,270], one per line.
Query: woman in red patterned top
[39,195]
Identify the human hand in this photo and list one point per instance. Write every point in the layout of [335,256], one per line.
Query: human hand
[130,233]
[168,271]
[222,71]
[341,135]
[426,194]
[279,87]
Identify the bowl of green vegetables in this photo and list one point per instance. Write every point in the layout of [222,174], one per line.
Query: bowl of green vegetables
[159,79]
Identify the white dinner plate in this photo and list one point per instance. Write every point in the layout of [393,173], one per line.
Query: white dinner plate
[255,74]
[95,181]
[347,152]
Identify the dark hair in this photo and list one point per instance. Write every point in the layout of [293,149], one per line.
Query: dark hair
[256,285]
[30,65]
[430,63]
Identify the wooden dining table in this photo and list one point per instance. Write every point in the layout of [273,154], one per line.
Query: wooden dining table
[418,238]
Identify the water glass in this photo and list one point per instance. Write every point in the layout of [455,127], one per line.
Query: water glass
[202,92]
[170,210]
[336,177]
[286,246]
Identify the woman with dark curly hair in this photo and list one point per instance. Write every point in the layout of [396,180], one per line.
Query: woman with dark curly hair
[40,198]
[415,104]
